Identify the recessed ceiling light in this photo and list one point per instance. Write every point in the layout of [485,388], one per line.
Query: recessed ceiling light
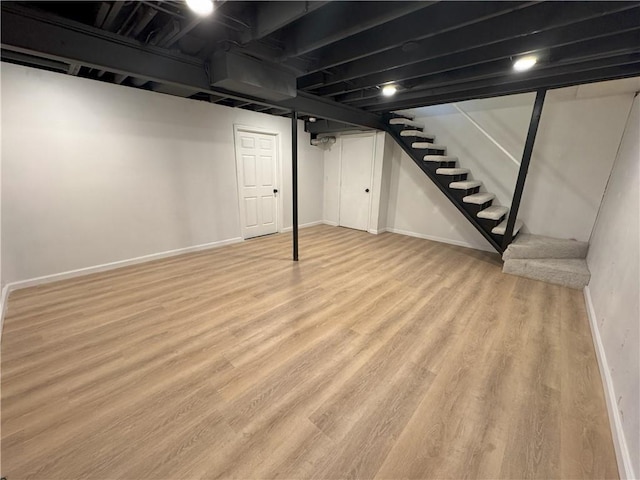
[389,90]
[524,63]
[312,119]
[201,7]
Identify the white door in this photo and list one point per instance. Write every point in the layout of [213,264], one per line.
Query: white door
[355,180]
[257,160]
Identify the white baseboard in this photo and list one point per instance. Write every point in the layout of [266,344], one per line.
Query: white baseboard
[3,306]
[118,264]
[304,225]
[438,239]
[377,232]
[329,222]
[625,467]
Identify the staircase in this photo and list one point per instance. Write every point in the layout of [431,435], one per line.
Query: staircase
[455,182]
[551,260]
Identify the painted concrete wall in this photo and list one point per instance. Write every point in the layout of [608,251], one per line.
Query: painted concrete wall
[95,173]
[575,149]
[614,261]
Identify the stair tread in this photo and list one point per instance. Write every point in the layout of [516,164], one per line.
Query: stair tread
[439,158]
[569,272]
[405,121]
[500,229]
[465,185]
[539,246]
[452,171]
[416,133]
[479,198]
[494,212]
[428,145]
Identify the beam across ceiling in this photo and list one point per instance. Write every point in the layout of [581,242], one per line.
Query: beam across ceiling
[514,29]
[54,38]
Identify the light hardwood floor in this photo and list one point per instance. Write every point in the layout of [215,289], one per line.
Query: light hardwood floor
[373,357]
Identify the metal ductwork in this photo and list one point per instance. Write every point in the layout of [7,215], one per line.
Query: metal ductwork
[246,75]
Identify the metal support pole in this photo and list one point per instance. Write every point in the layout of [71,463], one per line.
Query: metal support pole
[524,166]
[294,180]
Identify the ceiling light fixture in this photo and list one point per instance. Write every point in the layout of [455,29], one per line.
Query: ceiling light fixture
[312,119]
[389,90]
[524,63]
[201,7]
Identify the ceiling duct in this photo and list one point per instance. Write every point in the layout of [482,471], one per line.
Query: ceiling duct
[249,76]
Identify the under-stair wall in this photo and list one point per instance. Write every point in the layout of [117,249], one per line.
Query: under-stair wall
[571,120]
[613,296]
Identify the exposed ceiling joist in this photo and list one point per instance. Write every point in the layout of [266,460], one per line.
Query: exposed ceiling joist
[71,42]
[547,15]
[569,55]
[432,51]
[272,16]
[113,13]
[523,86]
[339,20]
[510,78]
[574,34]
[421,24]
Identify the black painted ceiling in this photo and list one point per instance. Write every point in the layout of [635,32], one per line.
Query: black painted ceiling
[436,52]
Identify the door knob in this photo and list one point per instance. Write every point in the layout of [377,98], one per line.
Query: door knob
[366,190]
[275,190]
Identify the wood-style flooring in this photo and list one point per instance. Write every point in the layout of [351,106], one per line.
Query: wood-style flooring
[376,356]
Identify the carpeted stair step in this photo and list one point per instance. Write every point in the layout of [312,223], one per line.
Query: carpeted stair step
[494,212]
[500,229]
[407,123]
[479,198]
[569,272]
[418,134]
[439,158]
[452,171]
[539,246]
[427,146]
[465,185]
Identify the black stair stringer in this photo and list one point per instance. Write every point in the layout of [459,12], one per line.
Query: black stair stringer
[434,178]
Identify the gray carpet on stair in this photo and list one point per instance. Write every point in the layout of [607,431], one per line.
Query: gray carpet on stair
[538,246]
[569,272]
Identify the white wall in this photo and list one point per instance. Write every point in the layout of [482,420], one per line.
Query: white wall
[310,179]
[95,173]
[614,289]
[418,208]
[575,148]
[573,156]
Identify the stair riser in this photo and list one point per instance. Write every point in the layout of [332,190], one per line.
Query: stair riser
[488,224]
[473,209]
[460,194]
[433,166]
[421,152]
[447,179]
[412,138]
[399,128]
[397,115]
